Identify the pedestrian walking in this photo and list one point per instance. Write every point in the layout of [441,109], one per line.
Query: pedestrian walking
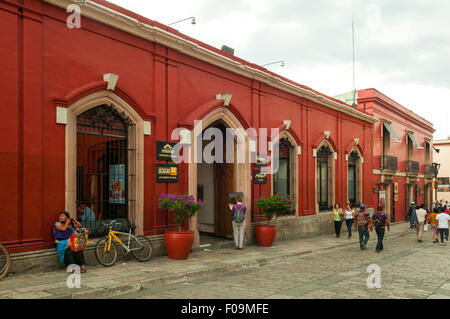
[349,219]
[380,222]
[442,223]
[337,215]
[238,214]
[421,213]
[412,215]
[362,225]
[433,225]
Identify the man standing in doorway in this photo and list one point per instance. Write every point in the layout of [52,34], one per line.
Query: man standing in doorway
[420,214]
[362,225]
[442,223]
[412,215]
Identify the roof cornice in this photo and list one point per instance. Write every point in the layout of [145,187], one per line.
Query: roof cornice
[397,111]
[115,19]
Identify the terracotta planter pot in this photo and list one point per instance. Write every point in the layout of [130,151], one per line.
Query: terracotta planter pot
[178,244]
[265,235]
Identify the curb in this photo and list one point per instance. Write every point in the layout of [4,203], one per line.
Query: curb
[112,291]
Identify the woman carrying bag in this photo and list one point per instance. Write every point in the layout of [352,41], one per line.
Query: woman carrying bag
[337,215]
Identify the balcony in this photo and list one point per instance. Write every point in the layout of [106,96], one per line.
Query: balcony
[428,169]
[389,163]
[412,167]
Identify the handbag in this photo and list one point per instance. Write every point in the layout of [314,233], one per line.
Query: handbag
[78,240]
[425,228]
[342,218]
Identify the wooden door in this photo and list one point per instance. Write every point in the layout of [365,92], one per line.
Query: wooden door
[223,180]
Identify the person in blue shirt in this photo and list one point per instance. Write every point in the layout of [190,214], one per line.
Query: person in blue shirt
[412,216]
[87,216]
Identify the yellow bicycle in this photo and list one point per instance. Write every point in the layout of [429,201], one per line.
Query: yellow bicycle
[106,250]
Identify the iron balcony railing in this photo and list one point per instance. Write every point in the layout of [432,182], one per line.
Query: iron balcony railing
[412,167]
[389,163]
[428,169]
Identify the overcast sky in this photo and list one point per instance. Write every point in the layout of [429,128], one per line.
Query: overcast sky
[402,46]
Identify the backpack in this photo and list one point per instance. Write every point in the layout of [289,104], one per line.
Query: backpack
[379,221]
[361,219]
[239,215]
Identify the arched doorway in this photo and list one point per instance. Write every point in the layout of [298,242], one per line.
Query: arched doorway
[103,165]
[241,171]
[215,180]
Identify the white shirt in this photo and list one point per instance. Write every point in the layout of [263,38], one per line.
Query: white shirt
[349,214]
[443,219]
[421,213]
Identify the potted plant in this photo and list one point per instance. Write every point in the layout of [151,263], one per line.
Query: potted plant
[179,243]
[270,207]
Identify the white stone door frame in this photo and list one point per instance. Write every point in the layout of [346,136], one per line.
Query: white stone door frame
[244,181]
[136,162]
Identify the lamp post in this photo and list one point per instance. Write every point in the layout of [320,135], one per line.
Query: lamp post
[435,167]
[190,18]
[281,62]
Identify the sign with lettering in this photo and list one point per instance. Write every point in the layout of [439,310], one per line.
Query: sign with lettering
[261,160]
[166,173]
[164,150]
[259,177]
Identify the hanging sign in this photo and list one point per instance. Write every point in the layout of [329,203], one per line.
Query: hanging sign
[166,173]
[261,160]
[117,184]
[260,178]
[164,150]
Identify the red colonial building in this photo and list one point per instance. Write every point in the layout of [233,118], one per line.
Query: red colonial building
[402,153]
[87,114]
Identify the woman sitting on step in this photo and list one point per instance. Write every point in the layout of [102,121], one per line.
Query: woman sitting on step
[62,231]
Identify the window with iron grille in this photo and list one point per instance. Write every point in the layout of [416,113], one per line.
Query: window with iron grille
[103,156]
[324,176]
[352,178]
[282,179]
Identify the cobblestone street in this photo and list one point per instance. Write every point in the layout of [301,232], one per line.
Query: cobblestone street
[320,267]
[409,269]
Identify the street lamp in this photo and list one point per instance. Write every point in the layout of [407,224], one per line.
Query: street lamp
[435,168]
[282,63]
[190,18]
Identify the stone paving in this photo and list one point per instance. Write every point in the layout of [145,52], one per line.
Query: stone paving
[319,267]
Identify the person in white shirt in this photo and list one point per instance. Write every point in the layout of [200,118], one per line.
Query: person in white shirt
[420,213]
[349,219]
[442,223]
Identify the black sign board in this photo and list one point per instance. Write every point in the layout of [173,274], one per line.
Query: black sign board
[166,173]
[260,178]
[261,160]
[164,150]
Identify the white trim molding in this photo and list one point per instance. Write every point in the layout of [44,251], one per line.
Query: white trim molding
[61,115]
[226,97]
[112,80]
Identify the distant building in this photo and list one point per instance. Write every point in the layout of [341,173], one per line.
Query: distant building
[442,157]
[402,154]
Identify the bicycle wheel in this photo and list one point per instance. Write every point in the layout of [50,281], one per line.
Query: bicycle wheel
[105,257]
[5,261]
[145,248]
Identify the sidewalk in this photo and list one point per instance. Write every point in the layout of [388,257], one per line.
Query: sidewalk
[133,276]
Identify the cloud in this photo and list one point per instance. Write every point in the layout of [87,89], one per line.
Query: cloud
[402,46]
